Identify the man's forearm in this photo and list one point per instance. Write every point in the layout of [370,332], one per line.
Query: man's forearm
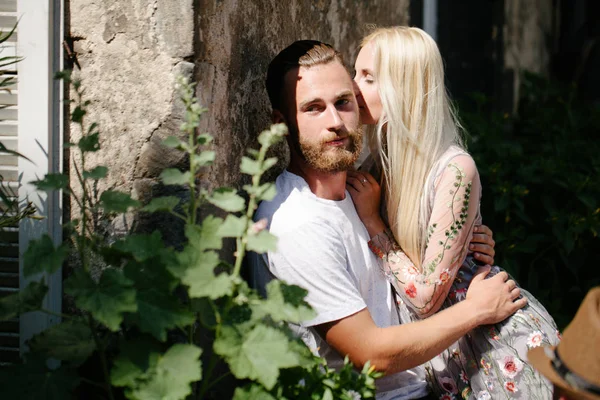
[409,345]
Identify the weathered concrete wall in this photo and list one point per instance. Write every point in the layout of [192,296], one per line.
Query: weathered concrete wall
[130,53]
[527,38]
[236,42]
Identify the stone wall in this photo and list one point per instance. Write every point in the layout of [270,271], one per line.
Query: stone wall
[131,51]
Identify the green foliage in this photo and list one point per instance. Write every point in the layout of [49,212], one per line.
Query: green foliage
[541,184]
[148,296]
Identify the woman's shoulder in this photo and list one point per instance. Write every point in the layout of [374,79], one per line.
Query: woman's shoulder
[455,160]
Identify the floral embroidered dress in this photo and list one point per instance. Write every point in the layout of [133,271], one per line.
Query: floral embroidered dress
[491,361]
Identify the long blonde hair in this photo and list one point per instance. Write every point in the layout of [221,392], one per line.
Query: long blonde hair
[417,126]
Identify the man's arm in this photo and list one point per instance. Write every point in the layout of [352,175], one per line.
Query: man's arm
[402,347]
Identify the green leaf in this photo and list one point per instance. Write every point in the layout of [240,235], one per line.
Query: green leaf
[172,375]
[69,341]
[34,381]
[95,174]
[227,199]
[173,142]
[205,237]
[204,138]
[252,392]
[167,203]
[158,312]
[119,202]
[266,191]
[42,256]
[262,242]
[141,247]
[257,355]
[286,303]
[273,135]
[158,309]
[52,182]
[203,159]
[77,116]
[136,357]
[107,300]
[90,143]
[173,176]
[233,226]
[197,270]
[249,166]
[268,163]
[25,300]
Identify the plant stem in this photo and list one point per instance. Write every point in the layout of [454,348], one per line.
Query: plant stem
[206,378]
[217,380]
[103,361]
[240,242]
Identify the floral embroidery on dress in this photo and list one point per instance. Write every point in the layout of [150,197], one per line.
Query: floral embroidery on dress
[490,361]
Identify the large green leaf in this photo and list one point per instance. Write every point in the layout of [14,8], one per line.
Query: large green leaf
[257,355]
[262,242]
[42,256]
[173,176]
[204,236]
[170,379]
[197,270]
[34,381]
[69,341]
[52,182]
[286,303]
[107,300]
[136,358]
[115,201]
[25,300]
[167,203]
[141,247]
[227,199]
[158,311]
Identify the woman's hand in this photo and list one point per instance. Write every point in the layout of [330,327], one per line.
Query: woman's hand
[366,195]
[482,245]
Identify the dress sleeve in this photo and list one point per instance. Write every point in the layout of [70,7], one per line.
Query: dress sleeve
[449,232]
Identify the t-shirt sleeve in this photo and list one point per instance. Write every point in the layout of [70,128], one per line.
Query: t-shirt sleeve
[313,257]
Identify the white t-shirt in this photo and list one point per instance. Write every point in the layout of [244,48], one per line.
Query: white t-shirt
[323,247]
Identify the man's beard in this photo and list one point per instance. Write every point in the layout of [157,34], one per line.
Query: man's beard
[328,158]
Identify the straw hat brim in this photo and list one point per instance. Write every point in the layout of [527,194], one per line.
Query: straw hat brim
[538,358]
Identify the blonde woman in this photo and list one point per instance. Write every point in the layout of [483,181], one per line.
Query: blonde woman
[431,192]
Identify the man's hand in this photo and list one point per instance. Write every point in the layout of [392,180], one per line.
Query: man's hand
[494,299]
[482,245]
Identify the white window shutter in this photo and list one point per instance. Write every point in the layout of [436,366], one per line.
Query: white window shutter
[9,236]
[30,124]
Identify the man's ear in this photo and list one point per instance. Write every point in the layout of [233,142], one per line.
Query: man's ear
[277,117]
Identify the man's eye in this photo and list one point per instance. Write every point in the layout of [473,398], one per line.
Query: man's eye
[343,102]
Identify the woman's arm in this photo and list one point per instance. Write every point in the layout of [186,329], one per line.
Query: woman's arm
[449,231]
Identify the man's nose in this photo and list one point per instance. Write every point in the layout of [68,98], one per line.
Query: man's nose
[335,119]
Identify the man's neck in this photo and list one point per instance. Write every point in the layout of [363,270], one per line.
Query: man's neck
[325,185]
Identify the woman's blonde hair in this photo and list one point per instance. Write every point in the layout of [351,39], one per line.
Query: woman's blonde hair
[417,126]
